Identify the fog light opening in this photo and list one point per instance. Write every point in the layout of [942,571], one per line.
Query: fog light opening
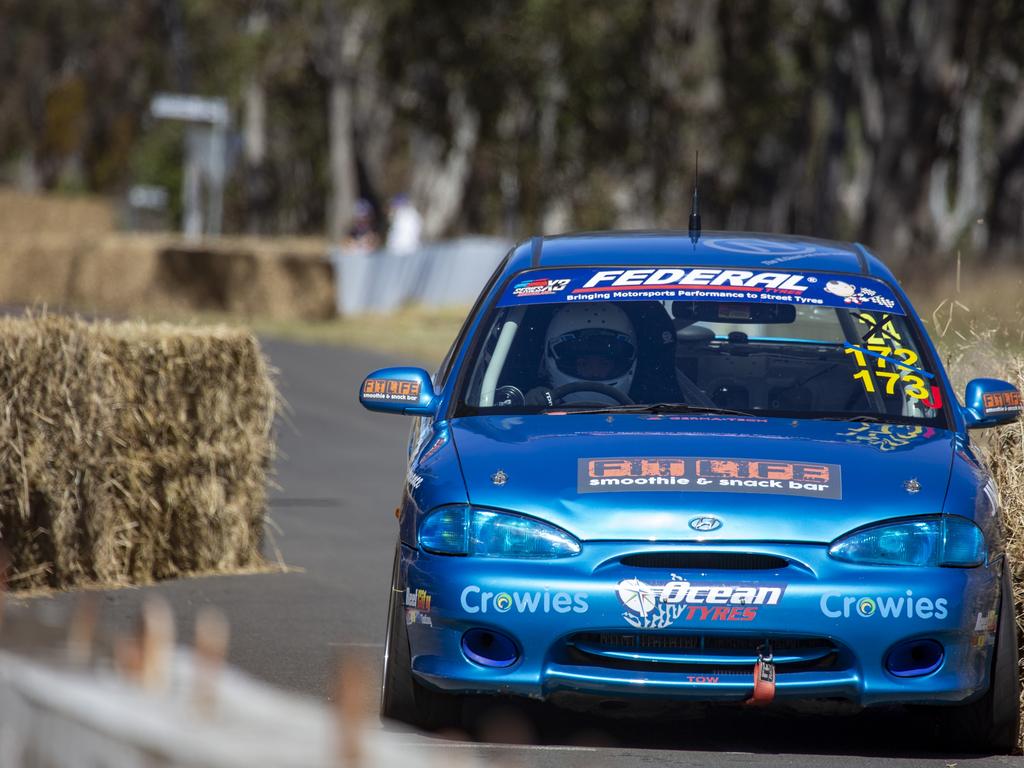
[914,658]
[489,648]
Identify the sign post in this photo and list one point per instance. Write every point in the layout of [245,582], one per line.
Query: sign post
[207,121]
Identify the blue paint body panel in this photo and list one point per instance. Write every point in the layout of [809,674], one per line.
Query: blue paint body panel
[578,629]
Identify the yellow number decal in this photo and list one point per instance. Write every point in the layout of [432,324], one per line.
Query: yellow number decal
[887,329]
[865,376]
[884,351]
[891,379]
[915,387]
[908,356]
[857,354]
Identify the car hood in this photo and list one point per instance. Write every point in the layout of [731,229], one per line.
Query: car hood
[736,469]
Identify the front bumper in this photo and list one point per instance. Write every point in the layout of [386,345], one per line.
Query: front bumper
[831,624]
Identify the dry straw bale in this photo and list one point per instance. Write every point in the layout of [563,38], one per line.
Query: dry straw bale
[160,274]
[28,213]
[130,452]
[64,251]
[984,354]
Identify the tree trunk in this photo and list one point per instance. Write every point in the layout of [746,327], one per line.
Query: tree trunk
[440,178]
[342,158]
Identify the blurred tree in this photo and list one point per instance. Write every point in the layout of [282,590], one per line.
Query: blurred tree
[900,123]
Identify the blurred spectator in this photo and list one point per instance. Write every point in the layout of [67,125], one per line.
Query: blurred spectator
[362,235]
[406,226]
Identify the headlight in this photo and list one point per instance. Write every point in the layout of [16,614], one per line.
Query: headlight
[946,540]
[464,530]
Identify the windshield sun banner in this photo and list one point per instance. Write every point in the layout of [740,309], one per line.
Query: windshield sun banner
[575,284]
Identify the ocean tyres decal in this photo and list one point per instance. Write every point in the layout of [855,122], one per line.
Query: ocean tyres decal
[659,605]
[575,284]
[700,473]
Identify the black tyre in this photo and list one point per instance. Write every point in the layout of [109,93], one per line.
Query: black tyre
[991,724]
[401,697]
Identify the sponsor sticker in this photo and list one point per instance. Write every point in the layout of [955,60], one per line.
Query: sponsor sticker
[474,599]
[417,607]
[539,287]
[836,605]
[1001,402]
[986,622]
[391,389]
[698,473]
[660,605]
[886,437]
[574,284]
[780,251]
[858,294]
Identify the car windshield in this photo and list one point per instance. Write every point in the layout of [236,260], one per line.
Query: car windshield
[794,345]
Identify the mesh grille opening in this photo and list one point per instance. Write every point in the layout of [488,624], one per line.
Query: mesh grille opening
[689,642]
[705,561]
[792,653]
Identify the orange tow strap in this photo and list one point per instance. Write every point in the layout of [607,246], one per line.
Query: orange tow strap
[764,680]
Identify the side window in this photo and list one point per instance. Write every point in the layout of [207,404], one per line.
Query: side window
[441,377]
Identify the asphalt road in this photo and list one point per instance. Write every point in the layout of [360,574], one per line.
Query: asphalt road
[339,476]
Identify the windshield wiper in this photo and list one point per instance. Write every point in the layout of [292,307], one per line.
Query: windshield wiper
[652,408]
[863,417]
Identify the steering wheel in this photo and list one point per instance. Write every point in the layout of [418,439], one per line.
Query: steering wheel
[558,393]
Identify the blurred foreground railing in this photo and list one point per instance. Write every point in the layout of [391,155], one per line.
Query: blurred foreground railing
[148,703]
[441,274]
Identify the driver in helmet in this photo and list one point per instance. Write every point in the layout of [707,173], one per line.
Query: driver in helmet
[592,343]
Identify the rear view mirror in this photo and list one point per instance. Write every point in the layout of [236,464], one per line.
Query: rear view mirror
[688,312]
[991,402]
[399,390]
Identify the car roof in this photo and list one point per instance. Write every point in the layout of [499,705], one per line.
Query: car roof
[675,248]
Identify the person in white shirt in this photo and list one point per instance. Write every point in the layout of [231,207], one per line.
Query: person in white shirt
[406,227]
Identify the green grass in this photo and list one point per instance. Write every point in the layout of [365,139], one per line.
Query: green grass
[416,335]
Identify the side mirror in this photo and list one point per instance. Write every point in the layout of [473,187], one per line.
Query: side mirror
[399,390]
[990,402]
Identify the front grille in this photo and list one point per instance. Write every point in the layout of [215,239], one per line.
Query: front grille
[705,561]
[627,641]
[698,652]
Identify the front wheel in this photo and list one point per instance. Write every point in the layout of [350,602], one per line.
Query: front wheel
[991,724]
[402,698]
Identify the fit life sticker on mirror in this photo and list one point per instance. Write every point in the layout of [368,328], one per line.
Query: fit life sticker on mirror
[1001,402]
[545,286]
[698,473]
[391,389]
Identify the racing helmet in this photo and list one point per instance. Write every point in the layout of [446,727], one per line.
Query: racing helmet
[590,342]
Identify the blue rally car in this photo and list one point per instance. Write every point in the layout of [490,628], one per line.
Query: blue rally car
[728,469]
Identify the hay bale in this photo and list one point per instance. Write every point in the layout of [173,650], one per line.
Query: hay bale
[130,452]
[31,213]
[983,353]
[38,269]
[114,274]
[127,274]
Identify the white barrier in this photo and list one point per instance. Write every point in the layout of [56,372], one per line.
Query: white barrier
[440,274]
[53,716]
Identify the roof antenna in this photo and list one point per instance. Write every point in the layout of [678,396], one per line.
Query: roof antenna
[695,205]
